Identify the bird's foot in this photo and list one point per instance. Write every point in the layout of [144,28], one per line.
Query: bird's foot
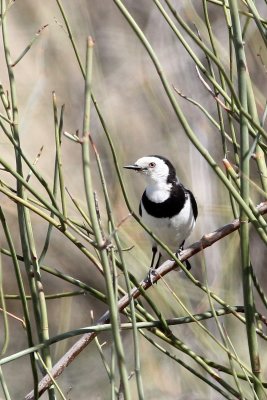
[179,252]
[151,274]
[185,262]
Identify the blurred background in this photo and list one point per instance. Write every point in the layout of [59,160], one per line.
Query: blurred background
[141,122]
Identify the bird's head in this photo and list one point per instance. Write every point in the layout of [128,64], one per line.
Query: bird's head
[156,168]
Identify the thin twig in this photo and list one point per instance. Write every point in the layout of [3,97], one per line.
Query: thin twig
[25,51]
[206,241]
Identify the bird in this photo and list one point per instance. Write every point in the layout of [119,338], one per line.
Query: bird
[167,207]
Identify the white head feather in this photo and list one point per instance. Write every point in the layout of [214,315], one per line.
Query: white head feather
[154,168]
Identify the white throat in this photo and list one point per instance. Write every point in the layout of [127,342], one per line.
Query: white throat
[158,191]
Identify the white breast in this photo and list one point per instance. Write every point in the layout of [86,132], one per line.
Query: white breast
[158,192]
[172,231]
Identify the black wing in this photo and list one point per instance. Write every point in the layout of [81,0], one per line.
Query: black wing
[193,204]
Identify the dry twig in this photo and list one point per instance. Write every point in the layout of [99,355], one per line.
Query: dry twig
[206,241]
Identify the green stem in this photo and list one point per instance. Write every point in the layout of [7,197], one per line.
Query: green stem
[28,47]
[64,16]
[48,296]
[29,164]
[109,370]
[237,104]
[19,169]
[244,226]
[58,132]
[46,217]
[126,326]
[189,132]
[214,49]
[259,153]
[21,289]
[3,307]
[96,227]
[185,365]
[24,184]
[126,276]
[38,295]
[4,386]
[98,295]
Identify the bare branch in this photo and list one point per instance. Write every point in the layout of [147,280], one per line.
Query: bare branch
[206,241]
[214,95]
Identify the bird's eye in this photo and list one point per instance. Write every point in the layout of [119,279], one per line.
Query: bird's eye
[152,165]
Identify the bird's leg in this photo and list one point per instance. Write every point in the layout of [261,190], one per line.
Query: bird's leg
[178,254]
[152,269]
[154,252]
[158,262]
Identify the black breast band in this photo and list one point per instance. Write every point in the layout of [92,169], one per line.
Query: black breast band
[168,208]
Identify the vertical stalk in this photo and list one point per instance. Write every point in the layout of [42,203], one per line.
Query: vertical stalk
[244,189]
[182,119]
[58,127]
[260,156]
[219,110]
[214,49]
[95,224]
[58,131]
[43,331]
[21,290]
[5,319]
[139,382]
[27,243]
[20,190]
[4,386]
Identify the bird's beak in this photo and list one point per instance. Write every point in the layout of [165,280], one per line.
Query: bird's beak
[134,167]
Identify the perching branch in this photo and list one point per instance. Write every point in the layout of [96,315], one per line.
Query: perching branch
[206,241]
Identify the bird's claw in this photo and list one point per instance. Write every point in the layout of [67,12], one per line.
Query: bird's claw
[151,274]
[179,252]
[185,262]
